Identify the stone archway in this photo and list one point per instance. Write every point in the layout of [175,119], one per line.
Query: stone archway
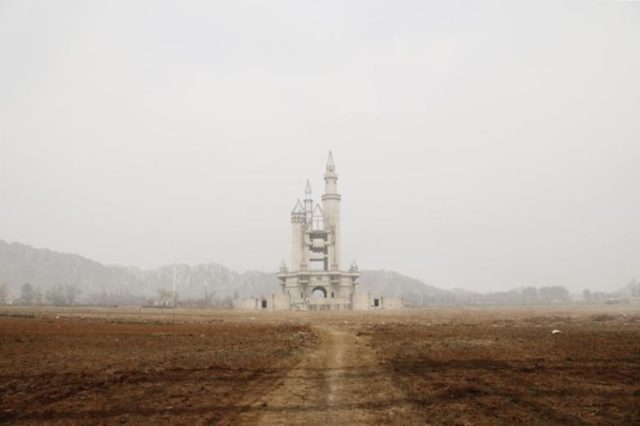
[315,293]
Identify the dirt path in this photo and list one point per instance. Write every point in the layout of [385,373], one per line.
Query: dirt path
[340,382]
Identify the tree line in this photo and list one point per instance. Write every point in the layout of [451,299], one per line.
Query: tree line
[58,295]
[66,295]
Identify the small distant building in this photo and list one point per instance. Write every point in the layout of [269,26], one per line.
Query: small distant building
[316,281]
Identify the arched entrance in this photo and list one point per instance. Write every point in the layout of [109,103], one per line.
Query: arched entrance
[319,292]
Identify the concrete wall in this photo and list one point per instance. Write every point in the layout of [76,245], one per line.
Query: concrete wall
[279,302]
[245,304]
[297,241]
[283,302]
[367,302]
[272,302]
[360,302]
[392,303]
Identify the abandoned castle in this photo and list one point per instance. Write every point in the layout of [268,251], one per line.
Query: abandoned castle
[315,280]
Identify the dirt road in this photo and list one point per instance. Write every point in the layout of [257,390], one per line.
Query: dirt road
[339,382]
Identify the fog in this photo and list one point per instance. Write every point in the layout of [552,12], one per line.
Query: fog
[485,146]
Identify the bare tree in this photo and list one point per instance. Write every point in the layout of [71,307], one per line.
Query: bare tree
[27,294]
[4,292]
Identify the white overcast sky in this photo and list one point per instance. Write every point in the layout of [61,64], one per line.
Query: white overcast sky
[479,145]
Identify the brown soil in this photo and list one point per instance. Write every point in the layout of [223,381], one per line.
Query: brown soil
[88,371]
[514,370]
[442,366]
[339,383]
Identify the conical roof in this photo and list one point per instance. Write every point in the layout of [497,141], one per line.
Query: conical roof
[298,208]
[354,266]
[317,221]
[283,266]
[317,211]
[331,165]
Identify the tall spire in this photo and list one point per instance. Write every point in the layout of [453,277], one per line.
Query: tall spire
[331,165]
[308,203]
[307,191]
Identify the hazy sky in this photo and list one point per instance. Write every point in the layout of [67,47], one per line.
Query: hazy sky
[478,145]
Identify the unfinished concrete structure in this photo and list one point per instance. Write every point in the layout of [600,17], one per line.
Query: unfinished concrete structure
[315,280]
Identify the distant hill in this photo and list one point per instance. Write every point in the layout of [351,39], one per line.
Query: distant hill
[394,284]
[43,268]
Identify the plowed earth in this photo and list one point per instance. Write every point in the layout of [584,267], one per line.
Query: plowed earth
[92,371]
[501,371]
[454,366]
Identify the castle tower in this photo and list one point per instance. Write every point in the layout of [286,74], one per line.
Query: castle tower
[315,281]
[298,224]
[331,203]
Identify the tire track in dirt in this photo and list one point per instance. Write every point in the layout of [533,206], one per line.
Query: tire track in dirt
[339,382]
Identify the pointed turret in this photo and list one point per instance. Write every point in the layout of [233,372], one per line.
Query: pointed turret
[308,202]
[331,165]
[297,214]
[317,222]
[330,176]
[298,208]
[307,191]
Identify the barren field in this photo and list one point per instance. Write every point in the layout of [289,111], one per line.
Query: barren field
[440,366]
[61,369]
[504,369]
